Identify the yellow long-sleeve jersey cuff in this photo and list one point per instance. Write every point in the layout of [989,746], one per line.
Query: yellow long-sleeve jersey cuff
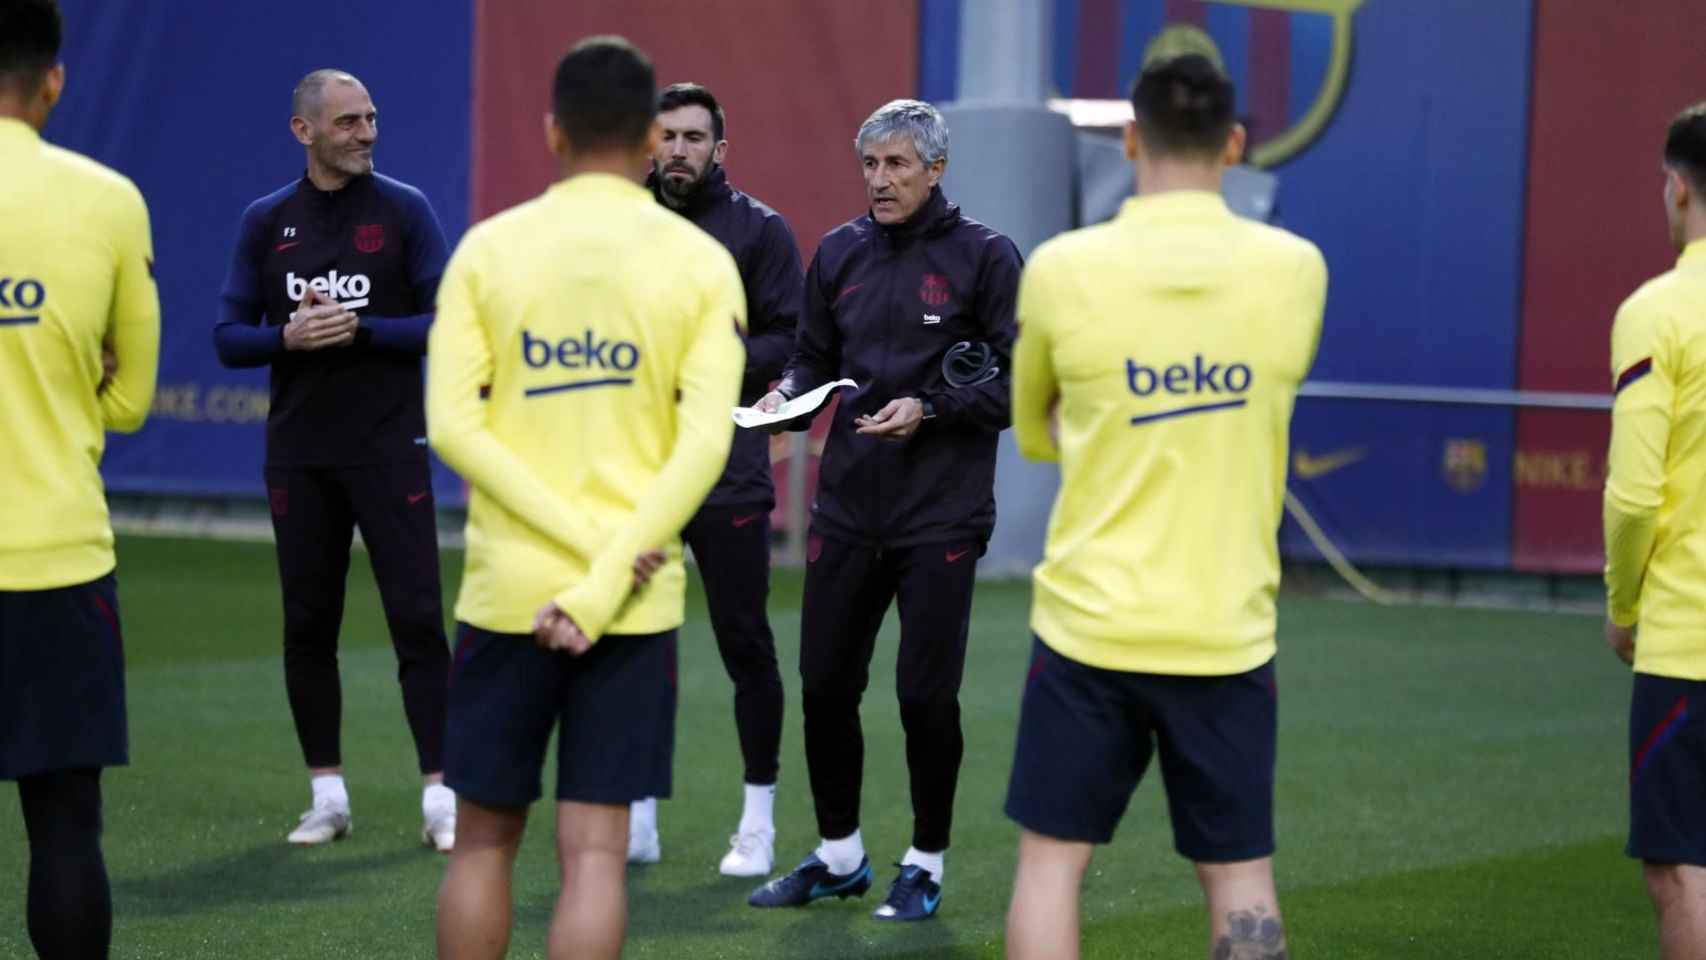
[1628,544]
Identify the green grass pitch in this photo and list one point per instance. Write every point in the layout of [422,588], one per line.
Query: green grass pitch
[1451,785]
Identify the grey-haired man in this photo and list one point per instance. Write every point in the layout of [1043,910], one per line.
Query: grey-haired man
[915,304]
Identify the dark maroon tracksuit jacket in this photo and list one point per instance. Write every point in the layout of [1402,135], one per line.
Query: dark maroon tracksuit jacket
[899,520]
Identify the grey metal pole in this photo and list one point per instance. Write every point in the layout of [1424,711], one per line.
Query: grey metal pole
[1005,50]
[1011,164]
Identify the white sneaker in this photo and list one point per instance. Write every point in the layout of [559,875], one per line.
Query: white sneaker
[751,854]
[644,847]
[438,830]
[323,824]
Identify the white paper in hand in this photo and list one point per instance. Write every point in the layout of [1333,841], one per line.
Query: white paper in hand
[799,406]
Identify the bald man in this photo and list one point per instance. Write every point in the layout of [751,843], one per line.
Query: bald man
[331,285]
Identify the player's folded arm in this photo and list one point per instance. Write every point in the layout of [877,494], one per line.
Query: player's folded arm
[708,386]
[459,364]
[134,324]
[1034,385]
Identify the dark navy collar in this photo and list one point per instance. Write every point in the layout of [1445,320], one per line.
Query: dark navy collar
[935,217]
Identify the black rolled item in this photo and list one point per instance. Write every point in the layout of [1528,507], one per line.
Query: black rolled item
[969,364]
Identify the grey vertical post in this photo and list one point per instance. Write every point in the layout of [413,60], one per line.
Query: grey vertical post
[1006,49]
[1012,163]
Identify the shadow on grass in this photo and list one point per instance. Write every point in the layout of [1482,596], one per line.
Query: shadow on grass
[824,930]
[267,873]
[668,918]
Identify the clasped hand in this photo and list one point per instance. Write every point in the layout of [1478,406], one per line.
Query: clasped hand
[555,630]
[319,322]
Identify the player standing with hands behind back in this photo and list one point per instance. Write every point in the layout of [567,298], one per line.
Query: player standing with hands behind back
[332,285]
[1158,359]
[586,401]
[78,283]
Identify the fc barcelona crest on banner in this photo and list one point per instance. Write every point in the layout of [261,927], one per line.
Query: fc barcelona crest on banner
[370,237]
[1465,465]
[934,291]
[1276,147]
[1290,60]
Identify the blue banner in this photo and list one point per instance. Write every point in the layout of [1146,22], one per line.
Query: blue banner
[191,100]
[1403,484]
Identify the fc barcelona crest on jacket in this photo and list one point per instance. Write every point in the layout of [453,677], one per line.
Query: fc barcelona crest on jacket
[370,237]
[934,291]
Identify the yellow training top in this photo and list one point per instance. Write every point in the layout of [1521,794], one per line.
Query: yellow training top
[76,271]
[580,374]
[1173,339]
[1655,496]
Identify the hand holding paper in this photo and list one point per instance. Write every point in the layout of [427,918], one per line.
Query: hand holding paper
[805,403]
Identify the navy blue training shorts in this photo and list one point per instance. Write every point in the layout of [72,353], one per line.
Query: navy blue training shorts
[613,708]
[1667,770]
[61,680]
[1086,736]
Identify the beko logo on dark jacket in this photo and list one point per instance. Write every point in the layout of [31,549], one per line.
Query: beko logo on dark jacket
[350,290]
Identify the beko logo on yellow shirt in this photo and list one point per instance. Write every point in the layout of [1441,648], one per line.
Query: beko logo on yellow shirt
[585,352]
[19,294]
[1201,378]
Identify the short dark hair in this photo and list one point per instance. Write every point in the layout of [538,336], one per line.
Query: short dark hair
[1184,105]
[310,92]
[1685,145]
[604,94]
[30,34]
[678,95]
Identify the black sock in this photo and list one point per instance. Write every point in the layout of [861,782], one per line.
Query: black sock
[70,902]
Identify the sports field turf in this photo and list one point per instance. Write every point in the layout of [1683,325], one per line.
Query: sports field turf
[1451,785]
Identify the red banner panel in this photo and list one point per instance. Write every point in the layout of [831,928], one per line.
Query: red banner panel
[1606,83]
[795,79]
[1559,474]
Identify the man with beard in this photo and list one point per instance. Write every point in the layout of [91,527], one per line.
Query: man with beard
[588,434]
[914,303]
[730,535]
[332,285]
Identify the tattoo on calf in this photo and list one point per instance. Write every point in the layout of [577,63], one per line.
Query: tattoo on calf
[1252,935]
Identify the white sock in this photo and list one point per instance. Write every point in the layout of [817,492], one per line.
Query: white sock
[843,856]
[437,798]
[758,815]
[329,790]
[933,862]
[643,816]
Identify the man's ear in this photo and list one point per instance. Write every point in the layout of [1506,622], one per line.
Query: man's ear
[53,85]
[556,140]
[1678,190]
[1233,155]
